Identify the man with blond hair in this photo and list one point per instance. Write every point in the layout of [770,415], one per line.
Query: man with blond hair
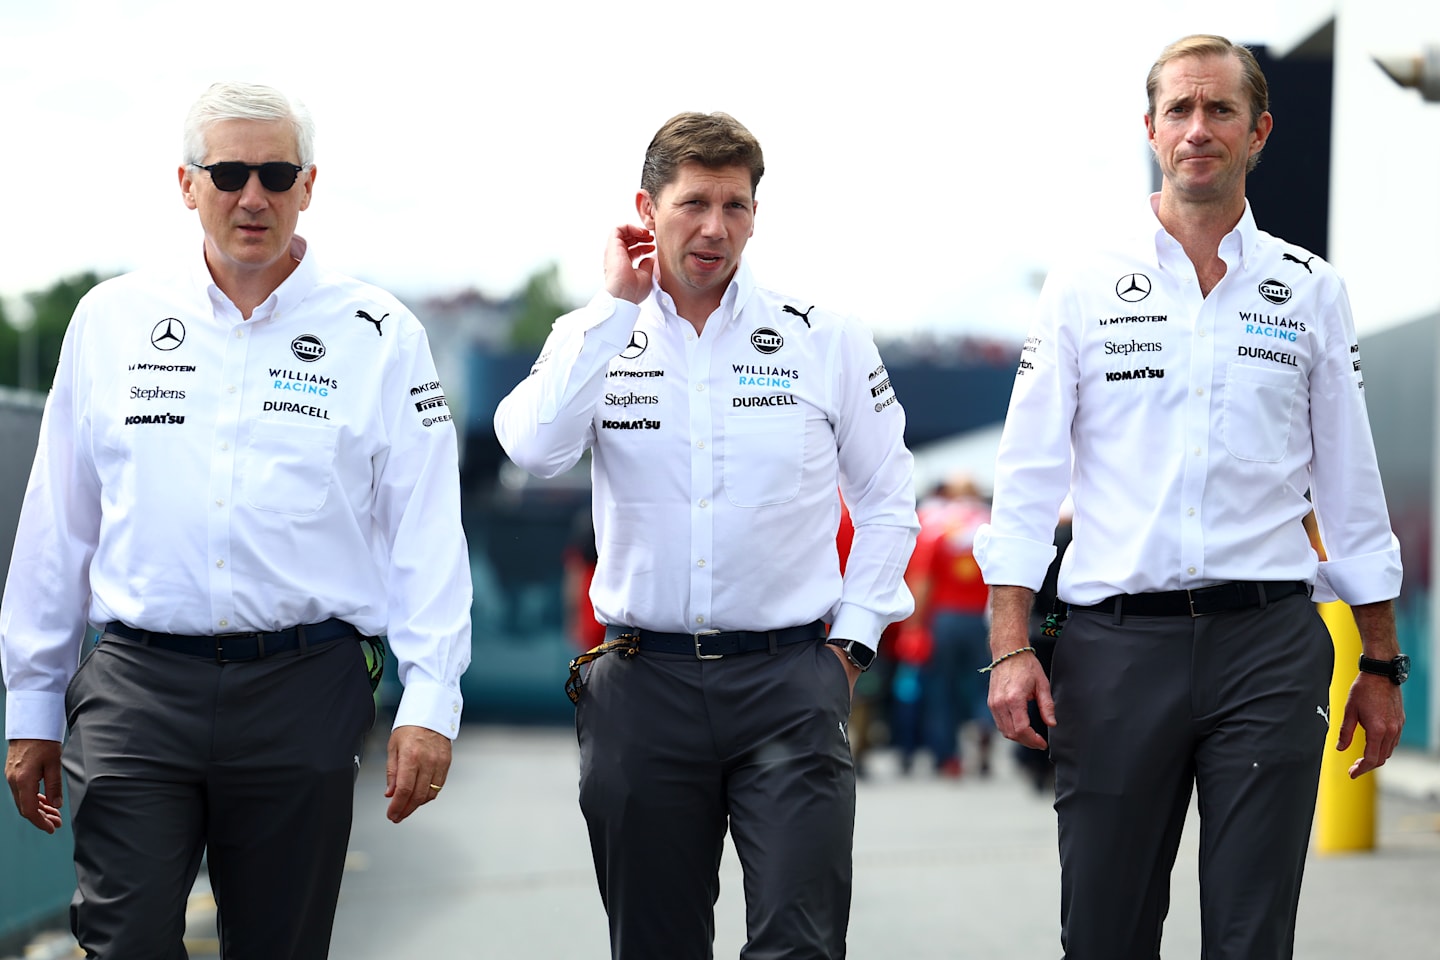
[1189,383]
[246,473]
[721,418]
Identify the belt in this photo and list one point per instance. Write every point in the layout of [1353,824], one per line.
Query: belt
[714,644]
[1202,601]
[230,647]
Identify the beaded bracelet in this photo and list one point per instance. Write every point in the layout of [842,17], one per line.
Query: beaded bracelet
[999,660]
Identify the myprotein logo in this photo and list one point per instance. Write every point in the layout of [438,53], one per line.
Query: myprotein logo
[307,347]
[766,340]
[1275,291]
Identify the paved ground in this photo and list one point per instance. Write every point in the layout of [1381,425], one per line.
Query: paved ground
[944,869]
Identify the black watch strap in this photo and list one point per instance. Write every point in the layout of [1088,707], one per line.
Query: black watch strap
[1397,671]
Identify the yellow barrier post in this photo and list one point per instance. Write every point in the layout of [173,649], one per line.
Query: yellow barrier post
[1345,808]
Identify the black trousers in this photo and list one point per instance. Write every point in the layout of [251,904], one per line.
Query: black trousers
[1235,706]
[671,748]
[171,756]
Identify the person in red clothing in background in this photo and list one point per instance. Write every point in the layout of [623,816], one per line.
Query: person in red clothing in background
[950,602]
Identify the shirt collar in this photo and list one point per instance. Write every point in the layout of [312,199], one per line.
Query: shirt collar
[292,290]
[1234,246]
[736,295]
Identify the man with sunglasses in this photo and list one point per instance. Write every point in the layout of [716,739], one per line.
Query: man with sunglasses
[247,472]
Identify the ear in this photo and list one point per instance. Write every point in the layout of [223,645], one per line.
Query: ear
[1261,134]
[645,206]
[1150,131]
[187,186]
[307,184]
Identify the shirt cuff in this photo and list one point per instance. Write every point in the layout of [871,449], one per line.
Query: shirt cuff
[857,623]
[612,319]
[1370,578]
[1012,561]
[433,706]
[34,715]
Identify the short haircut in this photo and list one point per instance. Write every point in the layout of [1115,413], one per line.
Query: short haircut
[713,140]
[1209,45]
[246,101]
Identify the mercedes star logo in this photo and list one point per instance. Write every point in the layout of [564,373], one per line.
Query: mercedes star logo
[637,345]
[1133,287]
[168,334]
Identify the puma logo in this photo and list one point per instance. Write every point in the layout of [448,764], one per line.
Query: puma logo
[803,316]
[841,723]
[1324,714]
[1304,263]
[365,316]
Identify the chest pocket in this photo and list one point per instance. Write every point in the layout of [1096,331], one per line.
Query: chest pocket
[1258,402]
[764,457]
[288,466]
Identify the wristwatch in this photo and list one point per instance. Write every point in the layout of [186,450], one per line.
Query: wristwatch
[1397,670]
[856,652]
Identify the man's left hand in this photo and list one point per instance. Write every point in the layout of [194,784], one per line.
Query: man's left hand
[1376,704]
[417,762]
[851,671]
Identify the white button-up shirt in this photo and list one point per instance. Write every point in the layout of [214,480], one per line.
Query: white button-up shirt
[199,473]
[716,460]
[1189,428]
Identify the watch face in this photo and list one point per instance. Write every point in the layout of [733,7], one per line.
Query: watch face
[1402,668]
[861,655]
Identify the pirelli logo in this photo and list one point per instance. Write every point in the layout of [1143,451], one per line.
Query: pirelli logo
[430,403]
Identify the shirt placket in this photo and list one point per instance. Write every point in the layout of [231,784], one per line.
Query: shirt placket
[698,354]
[1198,319]
[225,445]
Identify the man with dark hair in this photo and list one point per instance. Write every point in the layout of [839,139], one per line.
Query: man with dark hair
[1188,385]
[246,474]
[721,418]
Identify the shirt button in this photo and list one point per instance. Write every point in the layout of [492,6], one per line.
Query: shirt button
[699,619]
[1190,570]
[219,563]
[219,503]
[239,334]
[230,389]
[700,445]
[699,388]
[699,563]
[1190,512]
[224,446]
[689,336]
[454,708]
[704,504]
[1199,391]
[224,623]
[1202,331]
[1197,451]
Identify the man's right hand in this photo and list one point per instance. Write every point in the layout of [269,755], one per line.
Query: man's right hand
[28,765]
[625,279]
[1016,681]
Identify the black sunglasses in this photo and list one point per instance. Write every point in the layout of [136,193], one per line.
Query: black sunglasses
[277,176]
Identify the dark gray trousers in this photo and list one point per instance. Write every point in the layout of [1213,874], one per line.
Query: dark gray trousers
[1235,706]
[170,756]
[670,748]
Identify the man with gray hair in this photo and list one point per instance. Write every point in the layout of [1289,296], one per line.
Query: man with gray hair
[1189,383]
[247,473]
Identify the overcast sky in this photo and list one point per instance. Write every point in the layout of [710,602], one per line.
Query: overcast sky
[925,161]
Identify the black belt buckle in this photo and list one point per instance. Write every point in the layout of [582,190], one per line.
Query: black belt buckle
[220,639]
[1190,599]
[706,656]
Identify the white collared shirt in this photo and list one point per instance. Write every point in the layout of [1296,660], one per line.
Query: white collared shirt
[1189,428]
[198,473]
[716,460]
